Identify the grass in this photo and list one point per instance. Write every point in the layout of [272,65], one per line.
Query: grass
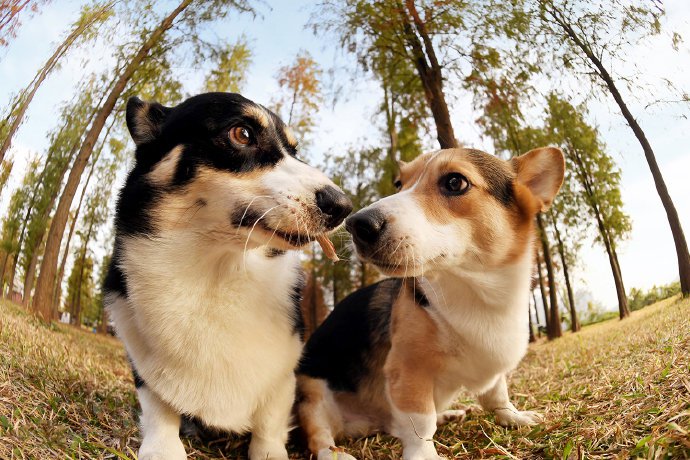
[618,389]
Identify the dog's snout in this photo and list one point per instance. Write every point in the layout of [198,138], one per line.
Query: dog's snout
[366,226]
[334,204]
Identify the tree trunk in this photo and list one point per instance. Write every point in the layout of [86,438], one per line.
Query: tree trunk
[574,321]
[2,273]
[536,313]
[77,315]
[554,326]
[46,279]
[103,324]
[36,251]
[430,74]
[679,240]
[542,290]
[28,94]
[57,292]
[532,337]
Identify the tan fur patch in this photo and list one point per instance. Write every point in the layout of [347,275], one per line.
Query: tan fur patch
[415,358]
[319,419]
[291,139]
[164,171]
[258,114]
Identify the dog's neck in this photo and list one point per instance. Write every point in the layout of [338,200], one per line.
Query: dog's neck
[503,290]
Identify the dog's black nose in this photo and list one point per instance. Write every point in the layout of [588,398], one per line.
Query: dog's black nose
[334,204]
[366,226]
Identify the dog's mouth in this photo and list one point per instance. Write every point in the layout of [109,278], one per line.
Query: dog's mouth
[293,239]
[252,218]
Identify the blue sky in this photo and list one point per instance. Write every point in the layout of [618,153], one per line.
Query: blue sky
[647,257]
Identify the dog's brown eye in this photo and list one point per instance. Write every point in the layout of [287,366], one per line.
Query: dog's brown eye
[397,184]
[240,135]
[454,184]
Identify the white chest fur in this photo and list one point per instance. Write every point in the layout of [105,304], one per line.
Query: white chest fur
[210,332]
[482,319]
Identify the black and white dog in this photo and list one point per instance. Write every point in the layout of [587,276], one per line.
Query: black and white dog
[203,288]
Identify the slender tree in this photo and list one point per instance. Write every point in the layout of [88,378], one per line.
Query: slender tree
[10,13]
[395,28]
[598,178]
[593,36]
[565,263]
[230,72]
[64,142]
[300,94]
[83,30]
[201,12]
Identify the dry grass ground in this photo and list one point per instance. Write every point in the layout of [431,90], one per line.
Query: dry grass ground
[619,389]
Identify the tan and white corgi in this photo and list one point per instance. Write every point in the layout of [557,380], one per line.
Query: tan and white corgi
[458,240]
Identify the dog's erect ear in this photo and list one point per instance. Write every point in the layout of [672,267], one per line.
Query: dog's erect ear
[144,119]
[541,171]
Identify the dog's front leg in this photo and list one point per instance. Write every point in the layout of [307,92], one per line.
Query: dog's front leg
[497,400]
[271,423]
[413,410]
[160,428]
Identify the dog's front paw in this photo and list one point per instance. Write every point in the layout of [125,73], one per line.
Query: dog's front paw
[334,453]
[514,417]
[262,449]
[171,449]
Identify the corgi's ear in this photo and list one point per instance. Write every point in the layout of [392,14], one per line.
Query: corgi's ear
[541,171]
[401,164]
[145,119]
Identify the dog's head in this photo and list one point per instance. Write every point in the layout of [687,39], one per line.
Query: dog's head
[458,208]
[226,169]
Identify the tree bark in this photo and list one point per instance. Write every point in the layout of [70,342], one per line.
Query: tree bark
[532,337]
[46,279]
[430,74]
[574,321]
[542,290]
[77,315]
[536,313]
[28,94]
[605,235]
[57,292]
[682,253]
[2,273]
[554,326]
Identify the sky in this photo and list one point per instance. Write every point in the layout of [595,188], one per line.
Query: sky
[279,32]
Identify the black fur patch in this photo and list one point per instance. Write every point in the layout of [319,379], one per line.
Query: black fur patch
[498,175]
[341,349]
[417,292]
[138,381]
[273,252]
[115,281]
[296,296]
[243,216]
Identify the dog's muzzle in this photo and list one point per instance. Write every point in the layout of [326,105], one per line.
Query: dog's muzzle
[366,227]
[334,205]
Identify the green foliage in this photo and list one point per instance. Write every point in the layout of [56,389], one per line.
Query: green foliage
[19,202]
[5,170]
[80,289]
[300,94]
[590,167]
[638,298]
[596,313]
[230,72]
